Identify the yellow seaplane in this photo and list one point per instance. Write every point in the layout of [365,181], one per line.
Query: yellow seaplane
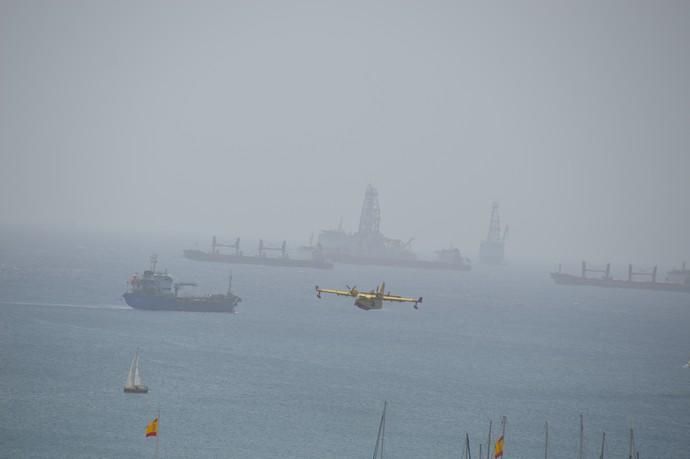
[372,299]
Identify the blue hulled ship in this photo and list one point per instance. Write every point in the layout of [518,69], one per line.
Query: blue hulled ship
[156,291]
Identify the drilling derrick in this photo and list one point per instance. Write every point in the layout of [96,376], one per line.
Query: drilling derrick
[368,246]
[491,251]
[494,225]
[370,218]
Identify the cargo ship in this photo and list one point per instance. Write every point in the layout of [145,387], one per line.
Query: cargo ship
[368,246]
[315,259]
[447,259]
[156,291]
[676,280]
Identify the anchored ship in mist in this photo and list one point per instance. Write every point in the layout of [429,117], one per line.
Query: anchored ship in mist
[368,246]
[677,280]
[156,291]
[314,258]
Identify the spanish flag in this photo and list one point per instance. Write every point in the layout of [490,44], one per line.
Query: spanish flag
[498,450]
[152,428]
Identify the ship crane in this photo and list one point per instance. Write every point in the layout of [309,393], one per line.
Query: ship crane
[645,273]
[585,269]
[215,244]
[263,248]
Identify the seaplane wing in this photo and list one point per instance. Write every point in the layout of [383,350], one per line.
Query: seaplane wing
[401,299]
[319,291]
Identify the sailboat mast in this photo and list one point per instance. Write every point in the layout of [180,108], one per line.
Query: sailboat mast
[137,372]
[603,442]
[383,430]
[488,441]
[130,375]
[378,449]
[546,440]
[480,451]
[582,439]
[467,445]
[631,454]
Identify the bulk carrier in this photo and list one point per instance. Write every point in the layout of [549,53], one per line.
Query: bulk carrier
[677,280]
[314,260]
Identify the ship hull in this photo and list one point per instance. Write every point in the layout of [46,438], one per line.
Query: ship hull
[136,390]
[569,279]
[172,303]
[401,263]
[198,255]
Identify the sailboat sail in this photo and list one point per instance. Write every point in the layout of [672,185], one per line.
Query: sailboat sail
[137,373]
[134,384]
[130,376]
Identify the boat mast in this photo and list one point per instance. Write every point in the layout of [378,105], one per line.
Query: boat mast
[468,454]
[130,376]
[488,441]
[137,374]
[378,449]
[546,440]
[603,442]
[580,454]
[631,454]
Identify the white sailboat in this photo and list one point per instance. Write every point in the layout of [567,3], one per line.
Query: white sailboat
[134,384]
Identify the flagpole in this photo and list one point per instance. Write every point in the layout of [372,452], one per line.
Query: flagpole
[503,430]
[158,418]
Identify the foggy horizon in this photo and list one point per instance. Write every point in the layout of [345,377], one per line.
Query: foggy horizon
[268,121]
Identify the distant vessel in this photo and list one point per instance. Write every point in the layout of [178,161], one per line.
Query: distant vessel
[680,284]
[368,246]
[314,260]
[134,384]
[492,250]
[155,291]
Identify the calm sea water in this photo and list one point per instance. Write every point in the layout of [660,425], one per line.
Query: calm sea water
[291,376]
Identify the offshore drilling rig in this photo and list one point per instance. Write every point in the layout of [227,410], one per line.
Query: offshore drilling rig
[492,250]
[369,246]
[368,242]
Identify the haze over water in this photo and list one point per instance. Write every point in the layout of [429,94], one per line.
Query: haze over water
[128,128]
[293,376]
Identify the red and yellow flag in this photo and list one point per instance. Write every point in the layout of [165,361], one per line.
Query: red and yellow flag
[152,428]
[498,450]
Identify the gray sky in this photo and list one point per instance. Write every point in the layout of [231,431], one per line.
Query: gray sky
[268,119]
